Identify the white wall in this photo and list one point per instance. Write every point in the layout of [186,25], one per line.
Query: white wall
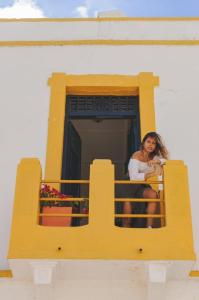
[24,97]
[95,289]
[84,30]
[73,289]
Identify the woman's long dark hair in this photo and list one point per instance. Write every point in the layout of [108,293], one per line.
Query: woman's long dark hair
[160,148]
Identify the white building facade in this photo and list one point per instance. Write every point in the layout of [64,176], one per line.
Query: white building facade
[30,53]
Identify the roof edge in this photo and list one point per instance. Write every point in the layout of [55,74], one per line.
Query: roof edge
[107,19]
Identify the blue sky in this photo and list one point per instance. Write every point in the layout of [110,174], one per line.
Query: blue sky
[89,8]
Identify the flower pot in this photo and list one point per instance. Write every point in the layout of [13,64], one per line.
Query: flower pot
[56,221]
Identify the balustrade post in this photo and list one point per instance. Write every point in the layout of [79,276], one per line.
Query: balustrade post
[101,195]
[26,205]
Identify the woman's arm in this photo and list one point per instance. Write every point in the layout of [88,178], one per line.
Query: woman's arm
[133,169]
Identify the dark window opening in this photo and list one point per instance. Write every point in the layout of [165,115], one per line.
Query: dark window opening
[98,127]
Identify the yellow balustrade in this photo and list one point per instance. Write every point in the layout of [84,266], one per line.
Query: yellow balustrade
[101,239]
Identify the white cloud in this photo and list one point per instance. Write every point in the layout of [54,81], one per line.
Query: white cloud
[22,9]
[82,11]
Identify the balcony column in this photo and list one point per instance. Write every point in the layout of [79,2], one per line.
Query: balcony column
[101,196]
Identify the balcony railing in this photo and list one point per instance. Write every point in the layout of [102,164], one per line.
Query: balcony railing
[160,201]
[73,200]
[100,238]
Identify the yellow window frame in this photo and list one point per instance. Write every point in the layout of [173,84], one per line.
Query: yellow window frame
[62,85]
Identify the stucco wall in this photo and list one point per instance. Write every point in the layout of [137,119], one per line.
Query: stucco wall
[124,30]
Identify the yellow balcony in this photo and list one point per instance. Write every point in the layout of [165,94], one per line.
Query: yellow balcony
[100,238]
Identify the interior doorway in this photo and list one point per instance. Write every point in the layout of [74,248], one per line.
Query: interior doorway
[98,127]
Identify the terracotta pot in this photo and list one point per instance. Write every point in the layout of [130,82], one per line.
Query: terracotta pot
[56,221]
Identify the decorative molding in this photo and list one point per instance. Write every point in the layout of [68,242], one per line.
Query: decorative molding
[157,272]
[6,274]
[194,273]
[96,42]
[42,271]
[93,104]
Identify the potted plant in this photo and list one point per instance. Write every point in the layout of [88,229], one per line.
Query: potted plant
[58,206]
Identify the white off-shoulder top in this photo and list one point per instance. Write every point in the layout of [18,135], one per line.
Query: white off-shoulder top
[137,169]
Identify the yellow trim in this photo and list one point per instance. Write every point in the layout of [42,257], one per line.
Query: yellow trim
[62,84]
[99,42]
[119,19]
[194,273]
[6,273]
[56,126]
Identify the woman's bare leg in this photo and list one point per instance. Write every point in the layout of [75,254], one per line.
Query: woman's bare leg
[127,209]
[151,208]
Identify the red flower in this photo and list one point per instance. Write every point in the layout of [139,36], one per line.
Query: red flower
[48,192]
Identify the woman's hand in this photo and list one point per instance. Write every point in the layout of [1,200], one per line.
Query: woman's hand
[156,171]
[149,174]
[153,162]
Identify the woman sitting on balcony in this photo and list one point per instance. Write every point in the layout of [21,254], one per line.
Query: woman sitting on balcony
[142,165]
